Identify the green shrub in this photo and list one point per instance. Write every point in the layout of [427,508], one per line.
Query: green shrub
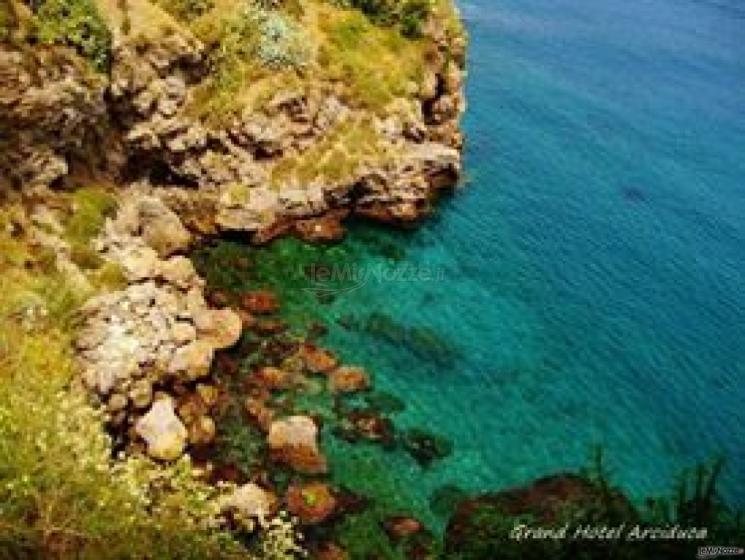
[267,36]
[6,20]
[76,23]
[408,16]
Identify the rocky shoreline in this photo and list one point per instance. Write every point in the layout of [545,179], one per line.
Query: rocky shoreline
[164,358]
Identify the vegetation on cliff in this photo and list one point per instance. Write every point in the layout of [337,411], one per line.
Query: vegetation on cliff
[66,488]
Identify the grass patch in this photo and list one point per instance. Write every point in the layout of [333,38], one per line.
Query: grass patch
[335,158]
[377,64]
[90,206]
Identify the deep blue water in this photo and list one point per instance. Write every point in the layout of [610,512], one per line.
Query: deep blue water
[590,280]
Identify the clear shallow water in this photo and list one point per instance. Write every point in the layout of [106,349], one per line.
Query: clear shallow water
[589,282]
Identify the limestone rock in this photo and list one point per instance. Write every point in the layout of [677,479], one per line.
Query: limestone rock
[251,501]
[193,360]
[161,228]
[220,327]
[294,441]
[163,432]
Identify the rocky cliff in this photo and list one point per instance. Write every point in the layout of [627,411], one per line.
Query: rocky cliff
[241,116]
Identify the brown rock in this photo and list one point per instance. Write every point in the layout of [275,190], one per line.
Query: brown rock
[330,551]
[324,229]
[272,378]
[348,379]
[402,527]
[203,431]
[268,327]
[317,360]
[367,426]
[261,302]
[312,503]
[259,412]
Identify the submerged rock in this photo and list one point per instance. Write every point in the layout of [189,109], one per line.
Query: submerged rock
[366,425]
[312,503]
[316,359]
[262,302]
[426,447]
[401,527]
[482,524]
[348,379]
[163,432]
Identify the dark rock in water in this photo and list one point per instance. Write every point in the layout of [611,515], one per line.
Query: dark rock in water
[261,302]
[384,403]
[445,499]
[350,502]
[482,525]
[426,447]
[347,322]
[317,359]
[424,342]
[401,527]
[317,330]
[633,194]
[277,349]
[269,327]
[366,425]
[328,551]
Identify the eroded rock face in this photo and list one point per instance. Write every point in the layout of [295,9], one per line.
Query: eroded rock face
[163,432]
[51,109]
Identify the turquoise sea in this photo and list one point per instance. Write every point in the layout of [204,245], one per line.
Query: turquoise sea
[587,286]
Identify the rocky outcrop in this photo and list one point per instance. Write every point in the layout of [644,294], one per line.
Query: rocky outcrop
[154,85]
[157,332]
[52,110]
[482,524]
